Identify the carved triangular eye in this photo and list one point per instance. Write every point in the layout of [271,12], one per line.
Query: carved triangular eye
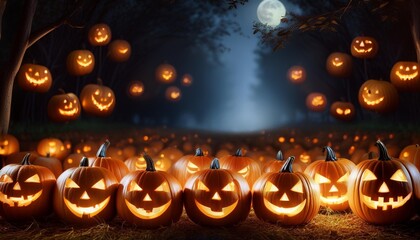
[298,187]
[133,186]
[6,179]
[99,185]
[33,179]
[164,187]
[71,184]
[270,187]
[321,179]
[344,178]
[192,165]
[202,186]
[368,176]
[243,171]
[230,187]
[399,176]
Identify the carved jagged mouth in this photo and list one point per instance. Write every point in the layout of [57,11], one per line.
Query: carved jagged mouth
[406,77]
[362,50]
[100,106]
[123,51]
[86,211]
[84,63]
[334,200]
[71,112]
[372,204]
[374,102]
[216,214]
[34,81]
[167,76]
[337,64]
[290,212]
[296,76]
[147,214]
[22,201]
[101,39]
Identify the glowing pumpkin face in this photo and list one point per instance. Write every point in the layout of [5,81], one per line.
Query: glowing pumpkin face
[52,147]
[296,74]
[8,145]
[173,94]
[136,163]
[187,80]
[64,107]
[97,100]
[339,64]
[343,111]
[316,102]
[165,73]
[119,50]
[247,167]
[364,47]
[34,78]
[405,76]
[99,34]
[379,96]
[135,89]
[80,62]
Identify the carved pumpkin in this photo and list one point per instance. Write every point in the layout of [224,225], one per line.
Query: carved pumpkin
[296,74]
[64,107]
[173,94]
[80,62]
[190,164]
[25,191]
[286,197]
[52,147]
[378,96]
[136,163]
[165,73]
[117,167]
[331,175]
[85,195]
[135,89]
[217,197]
[277,164]
[411,153]
[149,198]
[52,163]
[339,64]
[382,191]
[245,166]
[187,80]
[99,34]
[316,102]
[8,145]
[119,50]
[344,111]
[364,47]
[405,76]
[97,99]
[34,78]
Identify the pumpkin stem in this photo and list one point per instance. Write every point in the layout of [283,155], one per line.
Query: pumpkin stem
[238,153]
[199,152]
[48,154]
[215,164]
[383,152]
[150,165]
[25,160]
[279,156]
[287,166]
[84,162]
[102,150]
[417,145]
[99,81]
[330,157]
[61,91]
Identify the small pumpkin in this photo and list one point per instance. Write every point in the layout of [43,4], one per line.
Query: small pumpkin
[411,154]
[165,73]
[316,102]
[339,64]
[378,96]
[277,164]
[119,50]
[80,62]
[296,74]
[364,47]
[52,147]
[34,78]
[135,89]
[173,93]
[344,111]
[245,166]
[9,144]
[97,99]
[405,76]
[99,34]
[64,107]
[187,80]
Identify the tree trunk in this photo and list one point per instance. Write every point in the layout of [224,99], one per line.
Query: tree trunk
[11,68]
[415,26]
[2,7]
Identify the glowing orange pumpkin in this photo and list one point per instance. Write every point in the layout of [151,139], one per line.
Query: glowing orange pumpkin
[34,78]
[119,50]
[99,34]
[296,74]
[378,96]
[316,102]
[173,94]
[344,111]
[364,47]
[64,107]
[8,145]
[97,99]
[405,76]
[339,64]
[165,73]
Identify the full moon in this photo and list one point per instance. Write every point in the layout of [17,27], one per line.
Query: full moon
[270,12]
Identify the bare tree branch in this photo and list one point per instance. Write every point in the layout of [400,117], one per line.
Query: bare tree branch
[2,7]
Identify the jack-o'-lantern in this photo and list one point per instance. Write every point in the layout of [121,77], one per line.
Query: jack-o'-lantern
[149,198]
[80,62]
[339,64]
[344,111]
[173,94]
[405,76]
[190,164]
[135,89]
[162,163]
[316,102]
[34,78]
[217,197]
[117,167]
[378,96]
[165,73]
[99,34]
[411,154]
[382,190]
[286,197]
[186,80]
[64,107]
[331,175]
[136,163]
[97,99]
[53,147]
[8,145]
[25,191]
[245,166]
[296,74]
[364,47]
[277,164]
[119,50]
[72,160]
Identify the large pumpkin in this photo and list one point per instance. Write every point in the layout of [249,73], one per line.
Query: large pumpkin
[25,191]
[344,111]
[64,107]
[99,34]
[286,197]
[149,198]
[97,99]
[80,62]
[245,166]
[217,197]
[378,96]
[331,175]
[34,78]
[339,64]
[405,76]
[382,190]
[85,195]
[8,145]
[364,47]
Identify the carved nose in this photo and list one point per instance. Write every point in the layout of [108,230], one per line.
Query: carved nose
[147,198]
[384,188]
[37,74]
[362,44]
[216,196]
[16,187]
[284,198]
[407,69]
[85,196]
[333,189]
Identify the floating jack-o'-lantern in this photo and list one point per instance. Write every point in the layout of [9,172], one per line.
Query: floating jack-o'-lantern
[80,62]
[85,195]
[119,50]
[405,76]
[344,111]
[378,96]
[8,145]
[165,73]
[286,197]
[277,164]
[364,47]
[332,175]
[339,64]
[149,198]
[97,99]
[296,74]
[135,89]
[245,166]
[186,80]
[53,147]
[316,102]
[382,190]
[217,197]
[34,78]
[173,94]
[411,153]
[99,34]
[25,191]
[64,107]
